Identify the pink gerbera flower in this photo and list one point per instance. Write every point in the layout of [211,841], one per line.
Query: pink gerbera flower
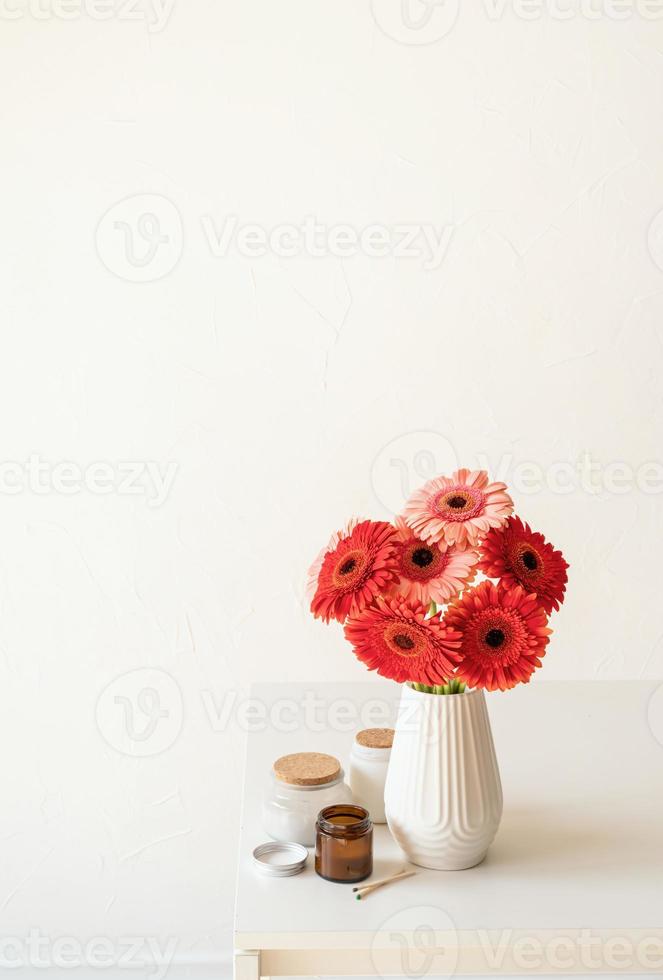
[458,510]
[431,571]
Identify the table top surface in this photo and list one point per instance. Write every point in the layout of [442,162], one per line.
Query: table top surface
[580,845]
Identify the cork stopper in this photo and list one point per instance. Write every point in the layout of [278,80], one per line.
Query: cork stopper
[376,738]
[307,769]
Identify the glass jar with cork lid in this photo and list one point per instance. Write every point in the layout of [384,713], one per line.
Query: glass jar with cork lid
[301,785]
[369,760]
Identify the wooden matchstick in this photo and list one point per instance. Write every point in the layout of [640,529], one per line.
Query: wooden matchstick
[362,890]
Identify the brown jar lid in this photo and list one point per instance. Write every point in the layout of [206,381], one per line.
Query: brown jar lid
[376,738]
[307,769]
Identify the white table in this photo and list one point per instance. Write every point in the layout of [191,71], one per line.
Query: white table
[572,884]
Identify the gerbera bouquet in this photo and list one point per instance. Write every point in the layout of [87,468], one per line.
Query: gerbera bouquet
[407,596]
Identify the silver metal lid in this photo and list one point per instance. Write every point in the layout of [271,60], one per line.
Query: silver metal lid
[280,859]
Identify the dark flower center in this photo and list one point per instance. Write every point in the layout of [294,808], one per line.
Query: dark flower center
[494,638]
[422,557]
[530,561]
[347,567]
[403,641]
[456,501]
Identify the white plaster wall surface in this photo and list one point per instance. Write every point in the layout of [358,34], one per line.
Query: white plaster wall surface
[267,382]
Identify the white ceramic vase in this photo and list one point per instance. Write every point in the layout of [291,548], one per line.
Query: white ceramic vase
[443,795]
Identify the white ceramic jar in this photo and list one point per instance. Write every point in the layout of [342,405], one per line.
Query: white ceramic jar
[301,785]
[369,760]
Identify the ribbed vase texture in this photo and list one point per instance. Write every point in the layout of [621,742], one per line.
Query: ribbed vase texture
[443,795]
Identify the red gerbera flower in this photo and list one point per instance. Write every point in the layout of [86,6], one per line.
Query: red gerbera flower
[519,556]
[504,635]
[361,565]
[394,637]
[314,570]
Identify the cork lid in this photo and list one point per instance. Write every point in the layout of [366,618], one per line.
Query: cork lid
[307,769]
[376,738]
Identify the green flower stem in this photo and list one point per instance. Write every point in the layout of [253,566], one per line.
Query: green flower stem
[453,686]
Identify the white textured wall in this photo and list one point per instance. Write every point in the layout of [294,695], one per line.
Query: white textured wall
[289,392]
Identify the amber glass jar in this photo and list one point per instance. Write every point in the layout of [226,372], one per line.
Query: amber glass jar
[344,843]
